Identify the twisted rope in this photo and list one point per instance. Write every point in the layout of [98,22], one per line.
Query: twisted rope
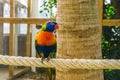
[61,63]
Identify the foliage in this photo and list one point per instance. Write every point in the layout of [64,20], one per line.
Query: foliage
[110,50]
[110,42]
[109,11]
[112,74]
[47,6]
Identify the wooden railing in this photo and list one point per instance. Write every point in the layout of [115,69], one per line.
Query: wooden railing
[12,20]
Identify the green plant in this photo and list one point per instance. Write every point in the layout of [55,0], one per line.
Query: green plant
[109,11]
[111,50]
[110,42]
[48,6]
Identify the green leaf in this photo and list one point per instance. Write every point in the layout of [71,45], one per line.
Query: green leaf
[41,11]
[45,8]
[48,5]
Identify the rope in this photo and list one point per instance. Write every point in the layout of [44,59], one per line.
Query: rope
[61,63]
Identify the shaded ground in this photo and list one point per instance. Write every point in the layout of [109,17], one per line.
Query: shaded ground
[32,76]
[4,72]
[41,74]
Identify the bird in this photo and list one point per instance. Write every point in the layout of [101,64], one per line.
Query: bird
[45,40]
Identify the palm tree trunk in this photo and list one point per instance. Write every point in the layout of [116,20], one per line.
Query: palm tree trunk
[78,37]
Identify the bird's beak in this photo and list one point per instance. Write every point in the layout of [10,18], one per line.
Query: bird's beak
[56,27]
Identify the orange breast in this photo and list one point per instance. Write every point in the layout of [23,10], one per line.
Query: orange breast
[45,38]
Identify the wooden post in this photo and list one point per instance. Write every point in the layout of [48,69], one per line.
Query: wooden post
[27,20]
[100,10]
[16,33]
[11,37]
[1,28]
[28,40]
[34,13]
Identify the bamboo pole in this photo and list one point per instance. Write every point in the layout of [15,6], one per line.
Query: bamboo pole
[105,22]
[115,22]
[34,13]
[100,10]
[28,32]
[11,38]
[25,20]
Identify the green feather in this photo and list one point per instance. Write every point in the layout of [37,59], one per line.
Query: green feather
[53,54]
[43,27]
[36,47]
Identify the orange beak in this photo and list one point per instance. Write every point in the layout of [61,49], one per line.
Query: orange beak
[56,27]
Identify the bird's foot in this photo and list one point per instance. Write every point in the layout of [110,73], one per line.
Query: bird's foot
[42,59]
[48,59]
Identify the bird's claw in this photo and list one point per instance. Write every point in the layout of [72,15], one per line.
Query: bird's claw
[48,59]
[42,59]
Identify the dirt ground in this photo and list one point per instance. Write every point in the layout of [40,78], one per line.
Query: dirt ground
[4,72]
[40,74]
[31,76]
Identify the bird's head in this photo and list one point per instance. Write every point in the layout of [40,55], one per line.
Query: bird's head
[50,26]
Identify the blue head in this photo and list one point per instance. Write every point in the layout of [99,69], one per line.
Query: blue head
[51,26]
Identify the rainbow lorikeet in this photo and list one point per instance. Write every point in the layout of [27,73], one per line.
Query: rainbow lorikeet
[45,42]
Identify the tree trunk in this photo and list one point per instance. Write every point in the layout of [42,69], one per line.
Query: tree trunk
[78,37]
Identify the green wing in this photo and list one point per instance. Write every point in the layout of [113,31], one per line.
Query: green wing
[53,54]
[36,47]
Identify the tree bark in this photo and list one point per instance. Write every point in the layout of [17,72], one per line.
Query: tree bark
[78,37]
